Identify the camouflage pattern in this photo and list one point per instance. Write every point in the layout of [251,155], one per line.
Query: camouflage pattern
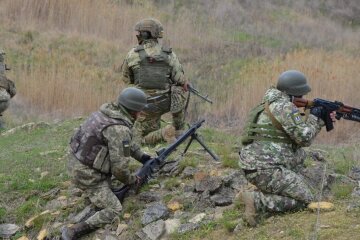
[4,100]
[173,98]
[281,190]
[96,183]
[272,166]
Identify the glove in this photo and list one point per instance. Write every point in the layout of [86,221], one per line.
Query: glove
[318,112]
[144,158]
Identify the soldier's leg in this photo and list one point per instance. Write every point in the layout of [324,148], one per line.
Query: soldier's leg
[178,122]
[281,190]
[4,104]
[104,199]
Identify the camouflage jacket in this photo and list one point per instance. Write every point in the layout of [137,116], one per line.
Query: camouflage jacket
[268,154]
[114,160]
[152,48]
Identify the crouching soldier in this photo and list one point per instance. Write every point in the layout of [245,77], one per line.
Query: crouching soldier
[101,148]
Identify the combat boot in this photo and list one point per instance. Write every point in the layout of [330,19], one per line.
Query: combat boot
[75,231]
[250,213]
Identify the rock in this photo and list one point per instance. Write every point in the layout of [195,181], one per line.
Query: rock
[240,226]
[154,230]
[42,234]
[109,236]
[127,216]
[355,205]
[235,180]
[211,184]
[188,172]
[121,228]
[189,188]
[154,212]
[174,206]
[60,202]
[29,223]
[50,194]
[187,227]
[171,168]
[355,173]
[8,229]
[148,197]
[356,192]
[323,206]
[223,198]
[172,225]
[83,215]
[74,191]
[198,176]
[198,218]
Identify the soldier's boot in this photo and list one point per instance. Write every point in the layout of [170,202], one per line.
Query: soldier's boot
[76,231]
[164,134]
[250,213]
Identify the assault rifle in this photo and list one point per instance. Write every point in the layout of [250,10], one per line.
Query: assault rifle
[155,164]
[197,93]
[342,110]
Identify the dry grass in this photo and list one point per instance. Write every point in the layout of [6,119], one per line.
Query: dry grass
[63,52]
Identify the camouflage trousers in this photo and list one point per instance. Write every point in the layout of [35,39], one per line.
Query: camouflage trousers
[148,124]
[4,100]
[97,188]
[281,190]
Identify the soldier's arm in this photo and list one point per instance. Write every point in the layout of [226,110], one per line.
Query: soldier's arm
[294,125]
[119,138]
[126,73]
[177,72]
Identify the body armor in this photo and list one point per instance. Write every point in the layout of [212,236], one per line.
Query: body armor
[154,71]
[88,139]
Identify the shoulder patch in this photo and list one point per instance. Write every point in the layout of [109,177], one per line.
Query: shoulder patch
[296,116]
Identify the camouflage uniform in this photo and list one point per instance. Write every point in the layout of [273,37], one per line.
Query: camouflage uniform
[272,159]
[7,88]
[163,98]
[114,124]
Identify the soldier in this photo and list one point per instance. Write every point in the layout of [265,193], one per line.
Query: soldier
[102,147]
[272,154]
[7,88]
[156,70]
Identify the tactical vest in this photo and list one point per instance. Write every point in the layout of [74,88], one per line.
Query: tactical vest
[88,139]
[154,71]
[263,132]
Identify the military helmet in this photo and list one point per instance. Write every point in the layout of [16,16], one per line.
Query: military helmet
[133,99]
[293,83]
[150,25]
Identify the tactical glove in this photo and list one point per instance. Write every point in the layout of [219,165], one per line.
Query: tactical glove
[144,158]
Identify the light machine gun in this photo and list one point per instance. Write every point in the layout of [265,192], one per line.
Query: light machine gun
[155,164]
[342,110]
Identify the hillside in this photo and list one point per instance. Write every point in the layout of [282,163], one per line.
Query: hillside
[33,179]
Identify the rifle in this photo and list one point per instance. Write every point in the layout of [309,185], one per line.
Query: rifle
[155,164]
[197,93]
[342,110]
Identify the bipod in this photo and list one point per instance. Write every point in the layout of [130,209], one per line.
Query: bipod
[195,136]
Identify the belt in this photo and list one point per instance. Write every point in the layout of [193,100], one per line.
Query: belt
[157,99]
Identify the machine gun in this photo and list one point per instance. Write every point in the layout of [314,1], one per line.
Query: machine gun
[342,110]
[155,164]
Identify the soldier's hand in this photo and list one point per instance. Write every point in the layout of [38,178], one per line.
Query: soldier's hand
[186,86]
[333,116]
